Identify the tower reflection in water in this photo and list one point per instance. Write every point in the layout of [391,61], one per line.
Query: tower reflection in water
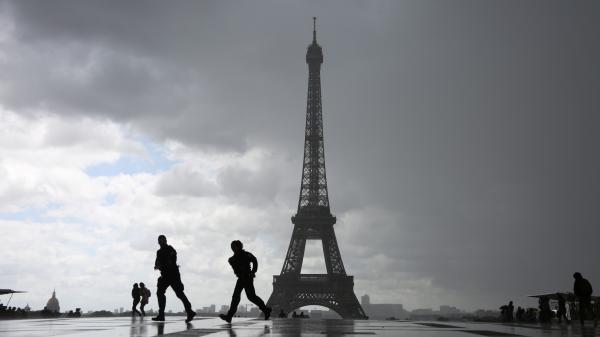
[299,327]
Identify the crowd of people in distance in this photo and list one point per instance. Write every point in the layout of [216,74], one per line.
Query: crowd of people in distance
[582,293]
[295,315]
[507,314]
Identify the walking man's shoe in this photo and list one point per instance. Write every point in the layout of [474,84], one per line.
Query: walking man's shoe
[225,318]
[159,318]
[190,316]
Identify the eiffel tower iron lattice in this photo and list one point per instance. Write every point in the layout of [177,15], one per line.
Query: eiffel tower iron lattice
[314,221]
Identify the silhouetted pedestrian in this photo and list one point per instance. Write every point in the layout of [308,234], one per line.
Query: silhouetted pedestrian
[145,294]
[282,314]
[545,312]
[135,294]
[241,262]
[562,309]
[583,291]
[166,262]
[519,314]
[509,311]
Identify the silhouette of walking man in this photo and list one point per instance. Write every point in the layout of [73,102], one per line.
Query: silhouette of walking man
[240,262]
[583,291]
[135,294]
[166,262]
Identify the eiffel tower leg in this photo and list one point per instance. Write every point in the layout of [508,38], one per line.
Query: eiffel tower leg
[333,258]
[280,300]
[351,306]
[295,253]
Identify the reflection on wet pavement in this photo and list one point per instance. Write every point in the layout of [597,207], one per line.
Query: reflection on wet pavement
[246,327]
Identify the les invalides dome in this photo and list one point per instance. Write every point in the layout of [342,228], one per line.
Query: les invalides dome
[52,304]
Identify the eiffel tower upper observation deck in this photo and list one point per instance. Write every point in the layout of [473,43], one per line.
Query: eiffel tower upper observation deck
[314,221]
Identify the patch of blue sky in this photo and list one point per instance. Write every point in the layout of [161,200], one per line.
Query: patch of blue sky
[33,214]
[110,199]
[153,161]
[39,215]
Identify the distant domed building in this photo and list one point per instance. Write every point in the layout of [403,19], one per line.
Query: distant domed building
[52,304]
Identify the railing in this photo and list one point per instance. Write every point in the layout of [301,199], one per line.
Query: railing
[313,278]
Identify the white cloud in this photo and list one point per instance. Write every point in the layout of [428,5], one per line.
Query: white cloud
[92,249]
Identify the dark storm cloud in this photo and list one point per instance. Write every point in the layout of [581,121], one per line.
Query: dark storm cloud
[474,126]
[199,69]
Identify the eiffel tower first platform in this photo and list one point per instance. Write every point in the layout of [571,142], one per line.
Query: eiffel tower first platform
[313,221]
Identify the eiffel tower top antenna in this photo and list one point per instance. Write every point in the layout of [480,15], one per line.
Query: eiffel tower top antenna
[314,29]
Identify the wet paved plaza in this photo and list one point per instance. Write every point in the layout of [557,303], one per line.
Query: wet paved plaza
[245,327]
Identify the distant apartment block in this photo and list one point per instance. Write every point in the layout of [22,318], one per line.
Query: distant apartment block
[383,310]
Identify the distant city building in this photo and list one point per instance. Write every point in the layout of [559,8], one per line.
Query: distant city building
[446,310]
[121,310]
[386,310]
[426,311]
[365,300]
[486,313]
[52,304]
[207,310]
[382,311]
[224,308]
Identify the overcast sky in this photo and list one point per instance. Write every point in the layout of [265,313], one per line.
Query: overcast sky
[461,143]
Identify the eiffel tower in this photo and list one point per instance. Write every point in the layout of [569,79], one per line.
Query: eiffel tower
[313,221]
